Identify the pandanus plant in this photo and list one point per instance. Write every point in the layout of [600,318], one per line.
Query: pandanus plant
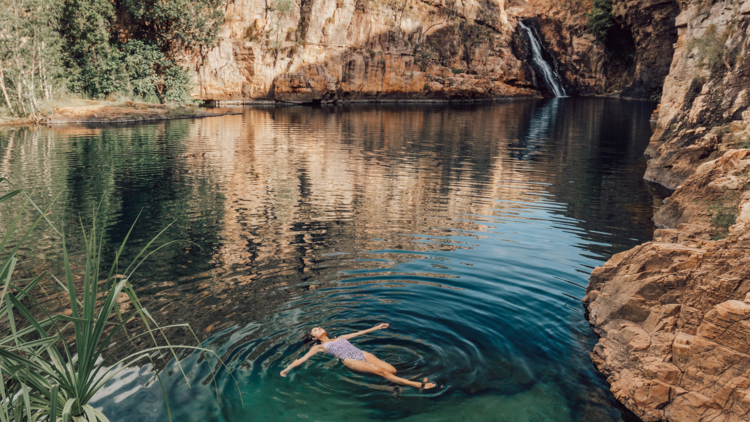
[48,378]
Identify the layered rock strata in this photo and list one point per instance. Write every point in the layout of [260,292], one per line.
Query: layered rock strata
[674,314]
[705,101]
[362,50]
[349,50]
[588,67]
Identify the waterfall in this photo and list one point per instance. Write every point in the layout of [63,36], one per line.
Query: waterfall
[551,78]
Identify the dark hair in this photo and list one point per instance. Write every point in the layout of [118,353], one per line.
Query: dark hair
[309,340]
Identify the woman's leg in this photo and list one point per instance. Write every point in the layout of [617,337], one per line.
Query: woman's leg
[379,363]
[368,368]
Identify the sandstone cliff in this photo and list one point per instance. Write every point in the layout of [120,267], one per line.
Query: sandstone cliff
[361,50]
[329,50]
[705,93]
[590,67]
[674,314]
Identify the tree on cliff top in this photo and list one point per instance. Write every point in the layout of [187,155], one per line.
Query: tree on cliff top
[131,47]
[176,24]
[600,19]
[617,40]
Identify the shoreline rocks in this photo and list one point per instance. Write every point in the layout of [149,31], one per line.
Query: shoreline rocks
[673,315]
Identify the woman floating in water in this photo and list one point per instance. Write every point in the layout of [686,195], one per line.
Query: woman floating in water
[352,357]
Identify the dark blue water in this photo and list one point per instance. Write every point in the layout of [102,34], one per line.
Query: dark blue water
[470,229]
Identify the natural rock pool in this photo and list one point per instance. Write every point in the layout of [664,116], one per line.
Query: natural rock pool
[471,229]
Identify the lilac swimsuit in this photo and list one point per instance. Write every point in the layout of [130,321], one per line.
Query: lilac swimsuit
[342,349]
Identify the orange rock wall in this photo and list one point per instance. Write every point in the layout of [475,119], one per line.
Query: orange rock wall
[674,314]
[350,50]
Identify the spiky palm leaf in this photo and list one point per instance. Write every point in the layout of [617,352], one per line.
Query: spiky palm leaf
[43,379]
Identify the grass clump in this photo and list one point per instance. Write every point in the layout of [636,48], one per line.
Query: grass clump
[724,211]
[709,48]
[423,58]
[46,376]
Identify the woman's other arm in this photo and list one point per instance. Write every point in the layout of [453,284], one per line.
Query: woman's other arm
[315,349]
[359,333]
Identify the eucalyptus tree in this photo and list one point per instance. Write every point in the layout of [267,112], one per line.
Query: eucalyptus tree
[30,54]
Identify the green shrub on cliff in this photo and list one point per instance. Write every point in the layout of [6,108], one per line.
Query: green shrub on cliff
[709,48]
[724,211]
[600,19]
[617,40]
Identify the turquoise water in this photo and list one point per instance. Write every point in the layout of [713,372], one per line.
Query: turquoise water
[471,229]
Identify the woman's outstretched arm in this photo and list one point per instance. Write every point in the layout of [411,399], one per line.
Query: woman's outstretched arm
[359,333]
[315,349]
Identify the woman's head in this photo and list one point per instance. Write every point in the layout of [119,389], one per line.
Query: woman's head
[313,337]
[318,332]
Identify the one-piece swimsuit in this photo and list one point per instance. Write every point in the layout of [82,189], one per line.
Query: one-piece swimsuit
[342,349]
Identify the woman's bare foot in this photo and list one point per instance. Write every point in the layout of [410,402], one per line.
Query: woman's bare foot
[426,385]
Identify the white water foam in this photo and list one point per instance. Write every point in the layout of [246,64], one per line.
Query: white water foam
[550,76]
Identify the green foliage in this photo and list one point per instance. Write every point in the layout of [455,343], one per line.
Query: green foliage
[177,24]
[618,41]
[139,64]
[600,19]
[456,71]
[51,46]
[174,85]
[724,211]
[94,63]
[45,375]
[31,68]
[423,58]
[142,67]
[709,48]
[284,7]
[371,52]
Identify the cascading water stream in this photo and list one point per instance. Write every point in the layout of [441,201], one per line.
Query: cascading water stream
[550,76]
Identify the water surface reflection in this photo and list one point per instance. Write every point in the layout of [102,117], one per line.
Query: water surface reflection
[470,228]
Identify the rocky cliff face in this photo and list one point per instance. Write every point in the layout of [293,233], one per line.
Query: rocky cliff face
[674,313]
[705,94]
[590,67]
[352,50]
[650,26]
[336,50]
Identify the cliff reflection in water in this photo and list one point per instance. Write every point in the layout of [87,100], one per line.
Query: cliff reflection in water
[280,203]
